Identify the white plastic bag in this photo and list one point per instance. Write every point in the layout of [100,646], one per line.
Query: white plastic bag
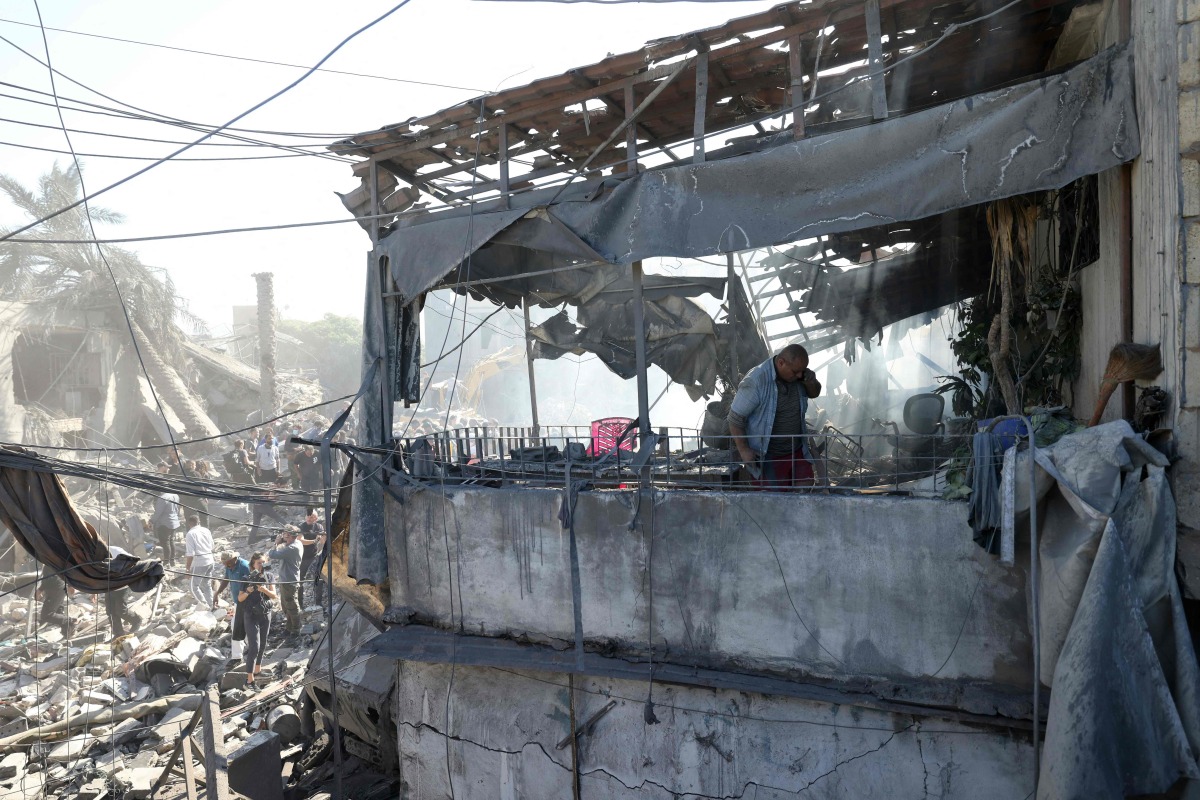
[235,648]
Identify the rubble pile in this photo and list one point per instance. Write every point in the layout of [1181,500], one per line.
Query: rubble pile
[90,716]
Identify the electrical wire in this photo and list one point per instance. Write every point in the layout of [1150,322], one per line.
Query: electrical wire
[142,112]
[152,158]
[221,232]
[87,212]
[241,141]
[87,197]
[214,437]
[247,58]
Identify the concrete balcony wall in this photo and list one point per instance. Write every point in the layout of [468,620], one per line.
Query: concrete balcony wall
[863,590]
[505,728]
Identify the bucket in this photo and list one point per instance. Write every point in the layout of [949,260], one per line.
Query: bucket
[714,432]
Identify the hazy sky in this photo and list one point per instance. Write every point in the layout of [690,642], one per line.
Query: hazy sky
[454,42]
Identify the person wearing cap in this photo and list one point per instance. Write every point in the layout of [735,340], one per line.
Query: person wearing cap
[236,571]
[286,557]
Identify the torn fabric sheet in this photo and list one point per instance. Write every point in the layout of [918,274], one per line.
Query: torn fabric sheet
[1125,702]
[1034,136]
[36,509]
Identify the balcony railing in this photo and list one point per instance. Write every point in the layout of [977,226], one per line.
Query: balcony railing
[680,458]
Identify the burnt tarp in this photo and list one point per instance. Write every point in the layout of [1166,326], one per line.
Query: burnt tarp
[35,507]
[1034,136]
[680,335]
[1125,687]
[864,300]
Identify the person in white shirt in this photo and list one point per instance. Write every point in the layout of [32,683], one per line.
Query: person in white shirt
[200,560]
[266,460]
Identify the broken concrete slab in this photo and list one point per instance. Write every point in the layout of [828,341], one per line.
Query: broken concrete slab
[73,748]
[255,767]
[44,669]
[140,781]
[110,763]
[29,785]
[126,731]
[12,765]
[233,679]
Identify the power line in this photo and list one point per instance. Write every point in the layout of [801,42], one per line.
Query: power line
[87,211]
[241,143]
[154,114]
[109,111]
[152,158]
[194,234]
[240,116]
[247,58]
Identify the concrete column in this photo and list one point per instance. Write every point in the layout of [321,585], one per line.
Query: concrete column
[266,343]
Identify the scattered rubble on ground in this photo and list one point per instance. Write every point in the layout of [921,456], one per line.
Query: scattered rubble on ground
[95,717]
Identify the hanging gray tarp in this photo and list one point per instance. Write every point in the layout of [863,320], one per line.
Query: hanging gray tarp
[1035,136]
[1125,688]
[680,335]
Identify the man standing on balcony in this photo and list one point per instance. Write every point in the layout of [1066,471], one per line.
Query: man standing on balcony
[766,419]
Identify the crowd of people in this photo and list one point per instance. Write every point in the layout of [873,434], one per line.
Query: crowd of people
[284,555]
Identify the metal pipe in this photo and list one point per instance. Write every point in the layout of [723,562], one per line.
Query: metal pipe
[1034,603]
[730,279]
[529,364]
[639,351]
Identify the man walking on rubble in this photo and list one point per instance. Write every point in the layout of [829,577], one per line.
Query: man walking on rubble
[199,555]
[312,536]
[165,519]
[766,419]
[286,556]
[116,603]
[308,465]
[266,460]
[236,572]
[264,508]
[53,591]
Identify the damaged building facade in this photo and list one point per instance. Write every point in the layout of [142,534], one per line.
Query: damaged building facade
[563,618]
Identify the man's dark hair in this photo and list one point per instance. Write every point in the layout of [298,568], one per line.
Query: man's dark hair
[793,353]
[193,520]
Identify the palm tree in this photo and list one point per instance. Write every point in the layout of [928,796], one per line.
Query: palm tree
[73,276]
[67,279]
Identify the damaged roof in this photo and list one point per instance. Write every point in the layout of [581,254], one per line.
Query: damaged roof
[743,73]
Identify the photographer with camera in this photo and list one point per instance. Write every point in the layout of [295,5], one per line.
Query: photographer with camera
[286,557]
[255,601]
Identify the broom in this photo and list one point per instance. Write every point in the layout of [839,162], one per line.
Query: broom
[1127,362]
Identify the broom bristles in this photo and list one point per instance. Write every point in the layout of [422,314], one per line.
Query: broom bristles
[1129,361]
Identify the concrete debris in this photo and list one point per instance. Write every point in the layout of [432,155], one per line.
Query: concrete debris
[88,715]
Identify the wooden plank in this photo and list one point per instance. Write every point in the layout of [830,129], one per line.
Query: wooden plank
[216,766]
[189,777]
[631,165]
[504,164]
[701,107]
[796,95]
[166,773]
[511,115]
[875,61]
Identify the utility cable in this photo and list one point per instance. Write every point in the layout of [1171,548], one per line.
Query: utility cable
[214,437]
[220,128]
[87,212]
[246,58]
[149,114]
[152,158]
